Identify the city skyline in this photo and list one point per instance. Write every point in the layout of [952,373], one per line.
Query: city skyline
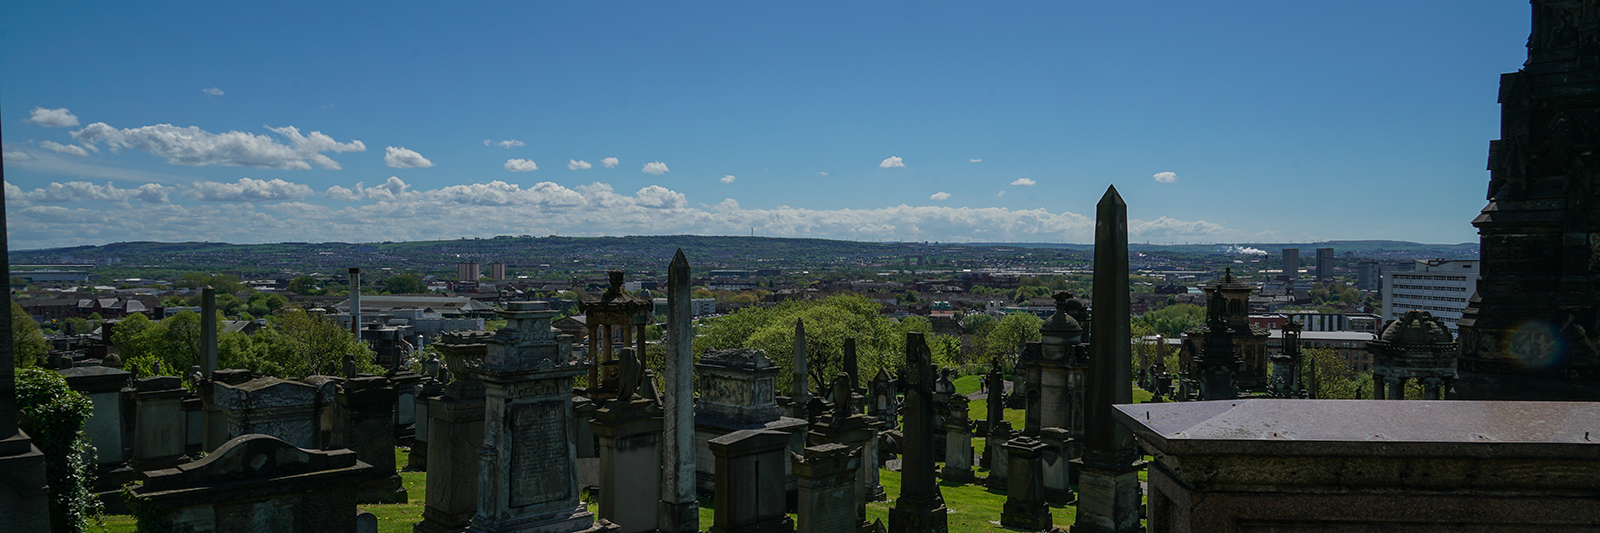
[1234,122]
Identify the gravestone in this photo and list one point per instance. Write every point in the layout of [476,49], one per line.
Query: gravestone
[857,432]
[827,478]
[958,443]
[994,386]
[629,430]
[269,406]
[680,511]
[999,464]
[366,412]
[943,390]
[1055,466]
[24,500]
[1025,507]
[427,390]
[750,482]
[254,484]
[1108,478]
[528,480]
[159,425]
[103,385]
[883,401]
[216,427]
[329,423]
[455,431]
[802,394]
[737,392]
[920,507]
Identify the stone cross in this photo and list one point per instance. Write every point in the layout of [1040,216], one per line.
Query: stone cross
[1108,482]
[920,507]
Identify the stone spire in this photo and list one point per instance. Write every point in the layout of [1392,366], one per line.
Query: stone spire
[801,393]
[208,331]
[1109,478]
[920,507]
[679,508]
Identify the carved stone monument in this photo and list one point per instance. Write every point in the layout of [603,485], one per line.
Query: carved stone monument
[680,511]
[1025,507]
[827,478]
[455,432]
[958,443]
[528,479]
[738,392]
[920,506]
[366,411]
[750,472]
[629,431]
[269,406]
[1415,346]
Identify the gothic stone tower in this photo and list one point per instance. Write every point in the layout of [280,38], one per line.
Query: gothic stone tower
[1532,331]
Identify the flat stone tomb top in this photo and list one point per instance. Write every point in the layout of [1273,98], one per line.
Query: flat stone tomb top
[1456,428]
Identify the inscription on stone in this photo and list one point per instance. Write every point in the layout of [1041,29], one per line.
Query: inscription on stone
[540,467]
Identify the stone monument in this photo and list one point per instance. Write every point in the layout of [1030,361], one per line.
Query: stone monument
[455,431]
[1415,346]
[738,392]
[269,406]
[680,511]
[528,480]
[1025,506]
[615,319]
[749,487]
[629,431]
[920,507]
[366,413]
[958,443]
[827,475]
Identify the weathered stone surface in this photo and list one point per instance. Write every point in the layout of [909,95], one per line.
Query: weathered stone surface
[958,443]
[1025,506]
[103,385]
[1366,465]
[679,508]
[159,425]
[366,411]
[920,506]
[827,474]
[269,406]
[737,393]
[629,431]
[750,469]
[252,484]
[455,431]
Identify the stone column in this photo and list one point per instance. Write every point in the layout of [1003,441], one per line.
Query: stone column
[750,481]
[1397,387]
[802,393]
[1025,507]
[527,480]
[366,412]
[920,507]
[355,303]
[1433,389]
[26,505]
[208,331]
[1108,482]
[455,431]
[426,391]
[680,511]
[958,443]
[827,474]
[629,428]
[994,384]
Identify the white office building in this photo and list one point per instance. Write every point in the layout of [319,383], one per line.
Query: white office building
[1437,286]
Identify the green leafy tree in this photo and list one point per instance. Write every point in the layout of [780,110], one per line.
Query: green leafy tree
[1171,321]
[27,338]
[1005,339]
[405,284]
[54,414]
[304,285]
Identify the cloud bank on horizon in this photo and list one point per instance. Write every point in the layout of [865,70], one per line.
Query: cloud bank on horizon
[275,210]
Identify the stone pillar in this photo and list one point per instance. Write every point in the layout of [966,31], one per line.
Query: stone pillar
[159,423]
[629,428]
[1055,465]
[827,474]
[455,431]
[857,432]
[1433,389]
[958,443]
[802,393]
[1379,387]
[527,480]
[1108,480]
[1025,507]
[999,464]
[215,429]
[208,331]
[366,412]
[427,391]
[994,386]
[750,482]
[920,507]
[680,511]
[26,504]
[1397,387]
[355,303]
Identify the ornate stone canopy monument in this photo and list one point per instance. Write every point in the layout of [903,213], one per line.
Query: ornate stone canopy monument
[528,479]
[617,318]
[1532,331]
[1417,346]
[1286,380]
[1226,353]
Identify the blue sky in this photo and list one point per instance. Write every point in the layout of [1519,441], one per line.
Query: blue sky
[1218,121]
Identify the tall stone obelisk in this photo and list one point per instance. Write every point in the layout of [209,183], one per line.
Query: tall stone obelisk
[1108,483]
[680,512]
[26,505]
[208,331]
[802,394]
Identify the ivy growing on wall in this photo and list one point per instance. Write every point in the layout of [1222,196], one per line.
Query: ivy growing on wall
[53,415]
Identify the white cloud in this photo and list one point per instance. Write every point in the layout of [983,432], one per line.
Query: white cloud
[83,191]
[1023,182]
[1166,177]
[728,179]
[15,154]
[891,162]
[521,165]
[573,164]
[609,162]
[822,173]
[247,190]
[213,91]
[507,144]
[940,196]
[69,149]
[392,189]
[974,160]
[399,157]
[655,167]
[497,207]
[1002,193]
[52,118]
[193,146]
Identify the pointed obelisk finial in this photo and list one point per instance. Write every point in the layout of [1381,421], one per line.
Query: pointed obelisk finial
[679,510]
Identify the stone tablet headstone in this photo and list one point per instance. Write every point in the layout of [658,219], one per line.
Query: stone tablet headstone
[159,423]
[1025,507]
[269,406]
[999,464]
[750,481]
[958,443]
[366,411]
[827,474]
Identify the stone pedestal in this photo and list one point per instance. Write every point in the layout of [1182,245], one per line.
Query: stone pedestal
[882,402]
[427,390]
[26,500]
[630,462]
[749,486]
[737,392]
[999,464]
[827,479]
[366,411]
[103,385]
[405,404]
[1056,466]
[327,410]
[216,429]
[527,480]
[857,432]
[1025,507]
[159,425]
[253,484]
[455,431]
[269,406]
[958,443]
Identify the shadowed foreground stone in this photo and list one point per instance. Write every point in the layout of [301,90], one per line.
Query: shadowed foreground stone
[1369,465]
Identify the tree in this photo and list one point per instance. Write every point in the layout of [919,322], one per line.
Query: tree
[405,284]
[27,339]
[1171,321]
[1005,340]
[54,415]
[304,285]
[308,344]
